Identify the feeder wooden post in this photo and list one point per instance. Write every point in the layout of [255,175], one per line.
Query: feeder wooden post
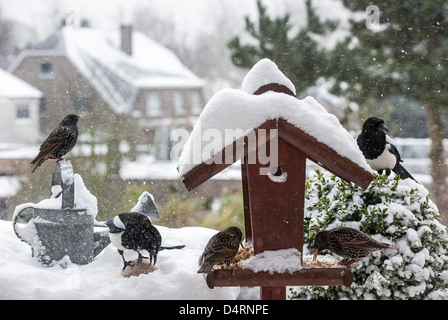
[275,209]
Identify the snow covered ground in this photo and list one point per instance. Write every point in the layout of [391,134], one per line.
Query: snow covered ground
[23,277]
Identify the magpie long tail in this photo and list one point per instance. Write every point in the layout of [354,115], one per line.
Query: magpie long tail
[404,174]
[173,247]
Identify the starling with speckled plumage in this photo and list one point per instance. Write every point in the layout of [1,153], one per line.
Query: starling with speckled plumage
[60,141]
[220,249]
[348,243]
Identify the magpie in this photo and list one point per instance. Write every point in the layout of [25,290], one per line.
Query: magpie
[378,149]
[134,231]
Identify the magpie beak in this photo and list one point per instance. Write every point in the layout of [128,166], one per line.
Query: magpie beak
[112,227]
[383,128]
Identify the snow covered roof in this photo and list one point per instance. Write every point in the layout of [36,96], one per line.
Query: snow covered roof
[12,87]
[241,112]
[117,76]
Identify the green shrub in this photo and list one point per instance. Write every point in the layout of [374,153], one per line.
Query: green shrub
[398,212]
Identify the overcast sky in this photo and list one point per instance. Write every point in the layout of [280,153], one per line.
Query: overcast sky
[190,14]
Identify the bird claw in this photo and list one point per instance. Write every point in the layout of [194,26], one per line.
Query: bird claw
[128,263]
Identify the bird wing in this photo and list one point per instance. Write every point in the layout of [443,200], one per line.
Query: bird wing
[219,247]
[398,169]
[355,239]
[53,141]
[393,149]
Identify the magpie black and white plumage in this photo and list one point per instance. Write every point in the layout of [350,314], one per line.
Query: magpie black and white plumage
[134,231]
[378,149]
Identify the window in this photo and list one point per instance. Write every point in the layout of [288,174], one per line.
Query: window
[22,111]
[46,67]
[179,103]
[154,104]
[196,103]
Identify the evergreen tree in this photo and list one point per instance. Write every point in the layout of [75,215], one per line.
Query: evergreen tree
[406,57]
[299,57]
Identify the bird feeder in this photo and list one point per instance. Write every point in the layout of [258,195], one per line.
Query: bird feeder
[274,122]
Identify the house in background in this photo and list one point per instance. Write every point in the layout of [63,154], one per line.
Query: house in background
[19,124]
[121,79]
[19,109]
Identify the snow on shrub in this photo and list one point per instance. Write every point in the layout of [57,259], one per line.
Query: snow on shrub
[398,212]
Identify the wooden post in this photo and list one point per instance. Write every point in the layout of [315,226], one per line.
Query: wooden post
[273,293]
[275,208]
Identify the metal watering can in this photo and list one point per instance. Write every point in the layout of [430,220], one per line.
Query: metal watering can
[54,233]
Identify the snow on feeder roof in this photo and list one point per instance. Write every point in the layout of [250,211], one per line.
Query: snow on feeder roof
[247,126]
[232,114]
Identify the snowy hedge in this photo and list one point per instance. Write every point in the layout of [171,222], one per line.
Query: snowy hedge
[398,212]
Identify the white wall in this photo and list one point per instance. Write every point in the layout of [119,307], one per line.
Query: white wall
[17,130]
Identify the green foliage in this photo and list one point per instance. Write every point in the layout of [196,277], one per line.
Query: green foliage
[398,212]
[177,209]
[230,212]
[299,57]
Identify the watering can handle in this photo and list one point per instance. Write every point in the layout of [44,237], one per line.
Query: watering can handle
[63,176]
[14,223]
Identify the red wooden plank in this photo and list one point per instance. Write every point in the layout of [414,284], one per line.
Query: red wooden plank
[273,293]
[324,155]
[204,171]
[337,276]
[246,202]
[277,207]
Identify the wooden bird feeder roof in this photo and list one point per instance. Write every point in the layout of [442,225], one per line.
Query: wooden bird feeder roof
[274,200]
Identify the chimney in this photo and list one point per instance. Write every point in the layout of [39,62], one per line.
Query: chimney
[126,39]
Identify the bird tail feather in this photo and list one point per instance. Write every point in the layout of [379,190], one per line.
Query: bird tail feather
[388,246]
[38,162]
[206,267]
[173,247]
[404,174]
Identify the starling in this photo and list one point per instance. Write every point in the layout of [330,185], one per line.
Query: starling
[220,249]
[134,231]
[348,243]
[60,141]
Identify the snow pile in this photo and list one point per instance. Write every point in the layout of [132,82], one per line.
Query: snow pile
[146,205]
[26,228]
[398,212]
[83,199]
[280,261]
[23,277]
[231,114]
[263,73]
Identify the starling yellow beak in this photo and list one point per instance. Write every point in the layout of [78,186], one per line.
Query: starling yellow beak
[82,116]
[315,254]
